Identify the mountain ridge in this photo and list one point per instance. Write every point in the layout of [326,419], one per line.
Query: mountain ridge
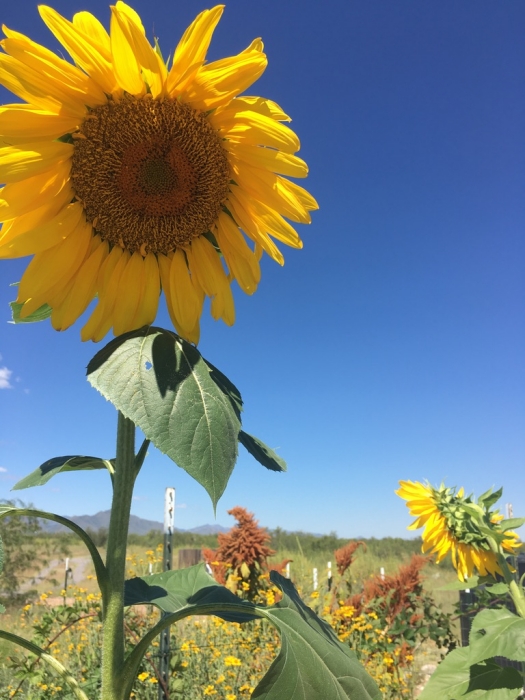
[137,525]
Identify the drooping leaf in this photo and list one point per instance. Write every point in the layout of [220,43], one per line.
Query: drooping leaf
[312,662]
[490,676]
[227,387]
[497,633]
[69,463]
[262,453]
[39,315]
[172,591]
[162,383]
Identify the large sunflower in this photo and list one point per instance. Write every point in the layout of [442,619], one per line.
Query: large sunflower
[449,527]
[126,175]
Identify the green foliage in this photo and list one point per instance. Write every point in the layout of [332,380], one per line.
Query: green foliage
[23,554]
[454,678]
[497,633]
[48,469]
[163,384]
[311,663]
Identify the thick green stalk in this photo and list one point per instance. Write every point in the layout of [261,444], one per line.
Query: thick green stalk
[515,590]
[113,615]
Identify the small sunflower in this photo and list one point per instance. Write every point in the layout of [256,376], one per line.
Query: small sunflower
[451,523]
[126,175]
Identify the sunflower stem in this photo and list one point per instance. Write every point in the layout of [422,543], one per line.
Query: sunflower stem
[515,590]
[113,615]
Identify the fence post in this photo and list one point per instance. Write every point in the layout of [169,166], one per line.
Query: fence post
[382,573]
[329,567]
[315,579]
[287,574]
[167,565]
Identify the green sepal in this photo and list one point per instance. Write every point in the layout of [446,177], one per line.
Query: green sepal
[511,523]
[262,453]
[489,499]
[40,314]
[56,465]
[162,383]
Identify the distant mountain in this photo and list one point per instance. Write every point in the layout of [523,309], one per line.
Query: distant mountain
[137,526]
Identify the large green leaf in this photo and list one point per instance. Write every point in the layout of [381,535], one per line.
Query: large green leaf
[164,386]
[39,315]
[458,585]
[511,524]
[262,453]
[172,591]
[497,633]
[312,662]
[451,678]
[490,677]
[70,463]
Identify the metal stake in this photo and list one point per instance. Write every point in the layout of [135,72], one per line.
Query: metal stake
[167,565]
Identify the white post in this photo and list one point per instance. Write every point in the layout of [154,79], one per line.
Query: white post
[287,574]
[167,564]
[315,579]
[150,568]
[382,573]
[329,574]
[508,508]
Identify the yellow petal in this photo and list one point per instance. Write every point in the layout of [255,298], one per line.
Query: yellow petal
[274,224]
[81,48]
[149,302]
[21,197]
[44,236]
[36,217]
[218,83]
[20,121]
[92,28]
[192,48]
[246,126]
[222,306]
[302,196]
[241,210]
[205,265]
[129,293]
[185,300]
[107,287]
[125,63]
[265,187]
[240,259]
[82,291]
[19,162]
[62,80]
[147,60]
[261,105]
[268,159]
[55,266]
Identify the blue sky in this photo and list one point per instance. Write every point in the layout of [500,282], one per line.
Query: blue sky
[391,347]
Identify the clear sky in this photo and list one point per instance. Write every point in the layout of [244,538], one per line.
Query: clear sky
[391,347]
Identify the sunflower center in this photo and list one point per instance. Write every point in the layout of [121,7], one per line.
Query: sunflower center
[152,174]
